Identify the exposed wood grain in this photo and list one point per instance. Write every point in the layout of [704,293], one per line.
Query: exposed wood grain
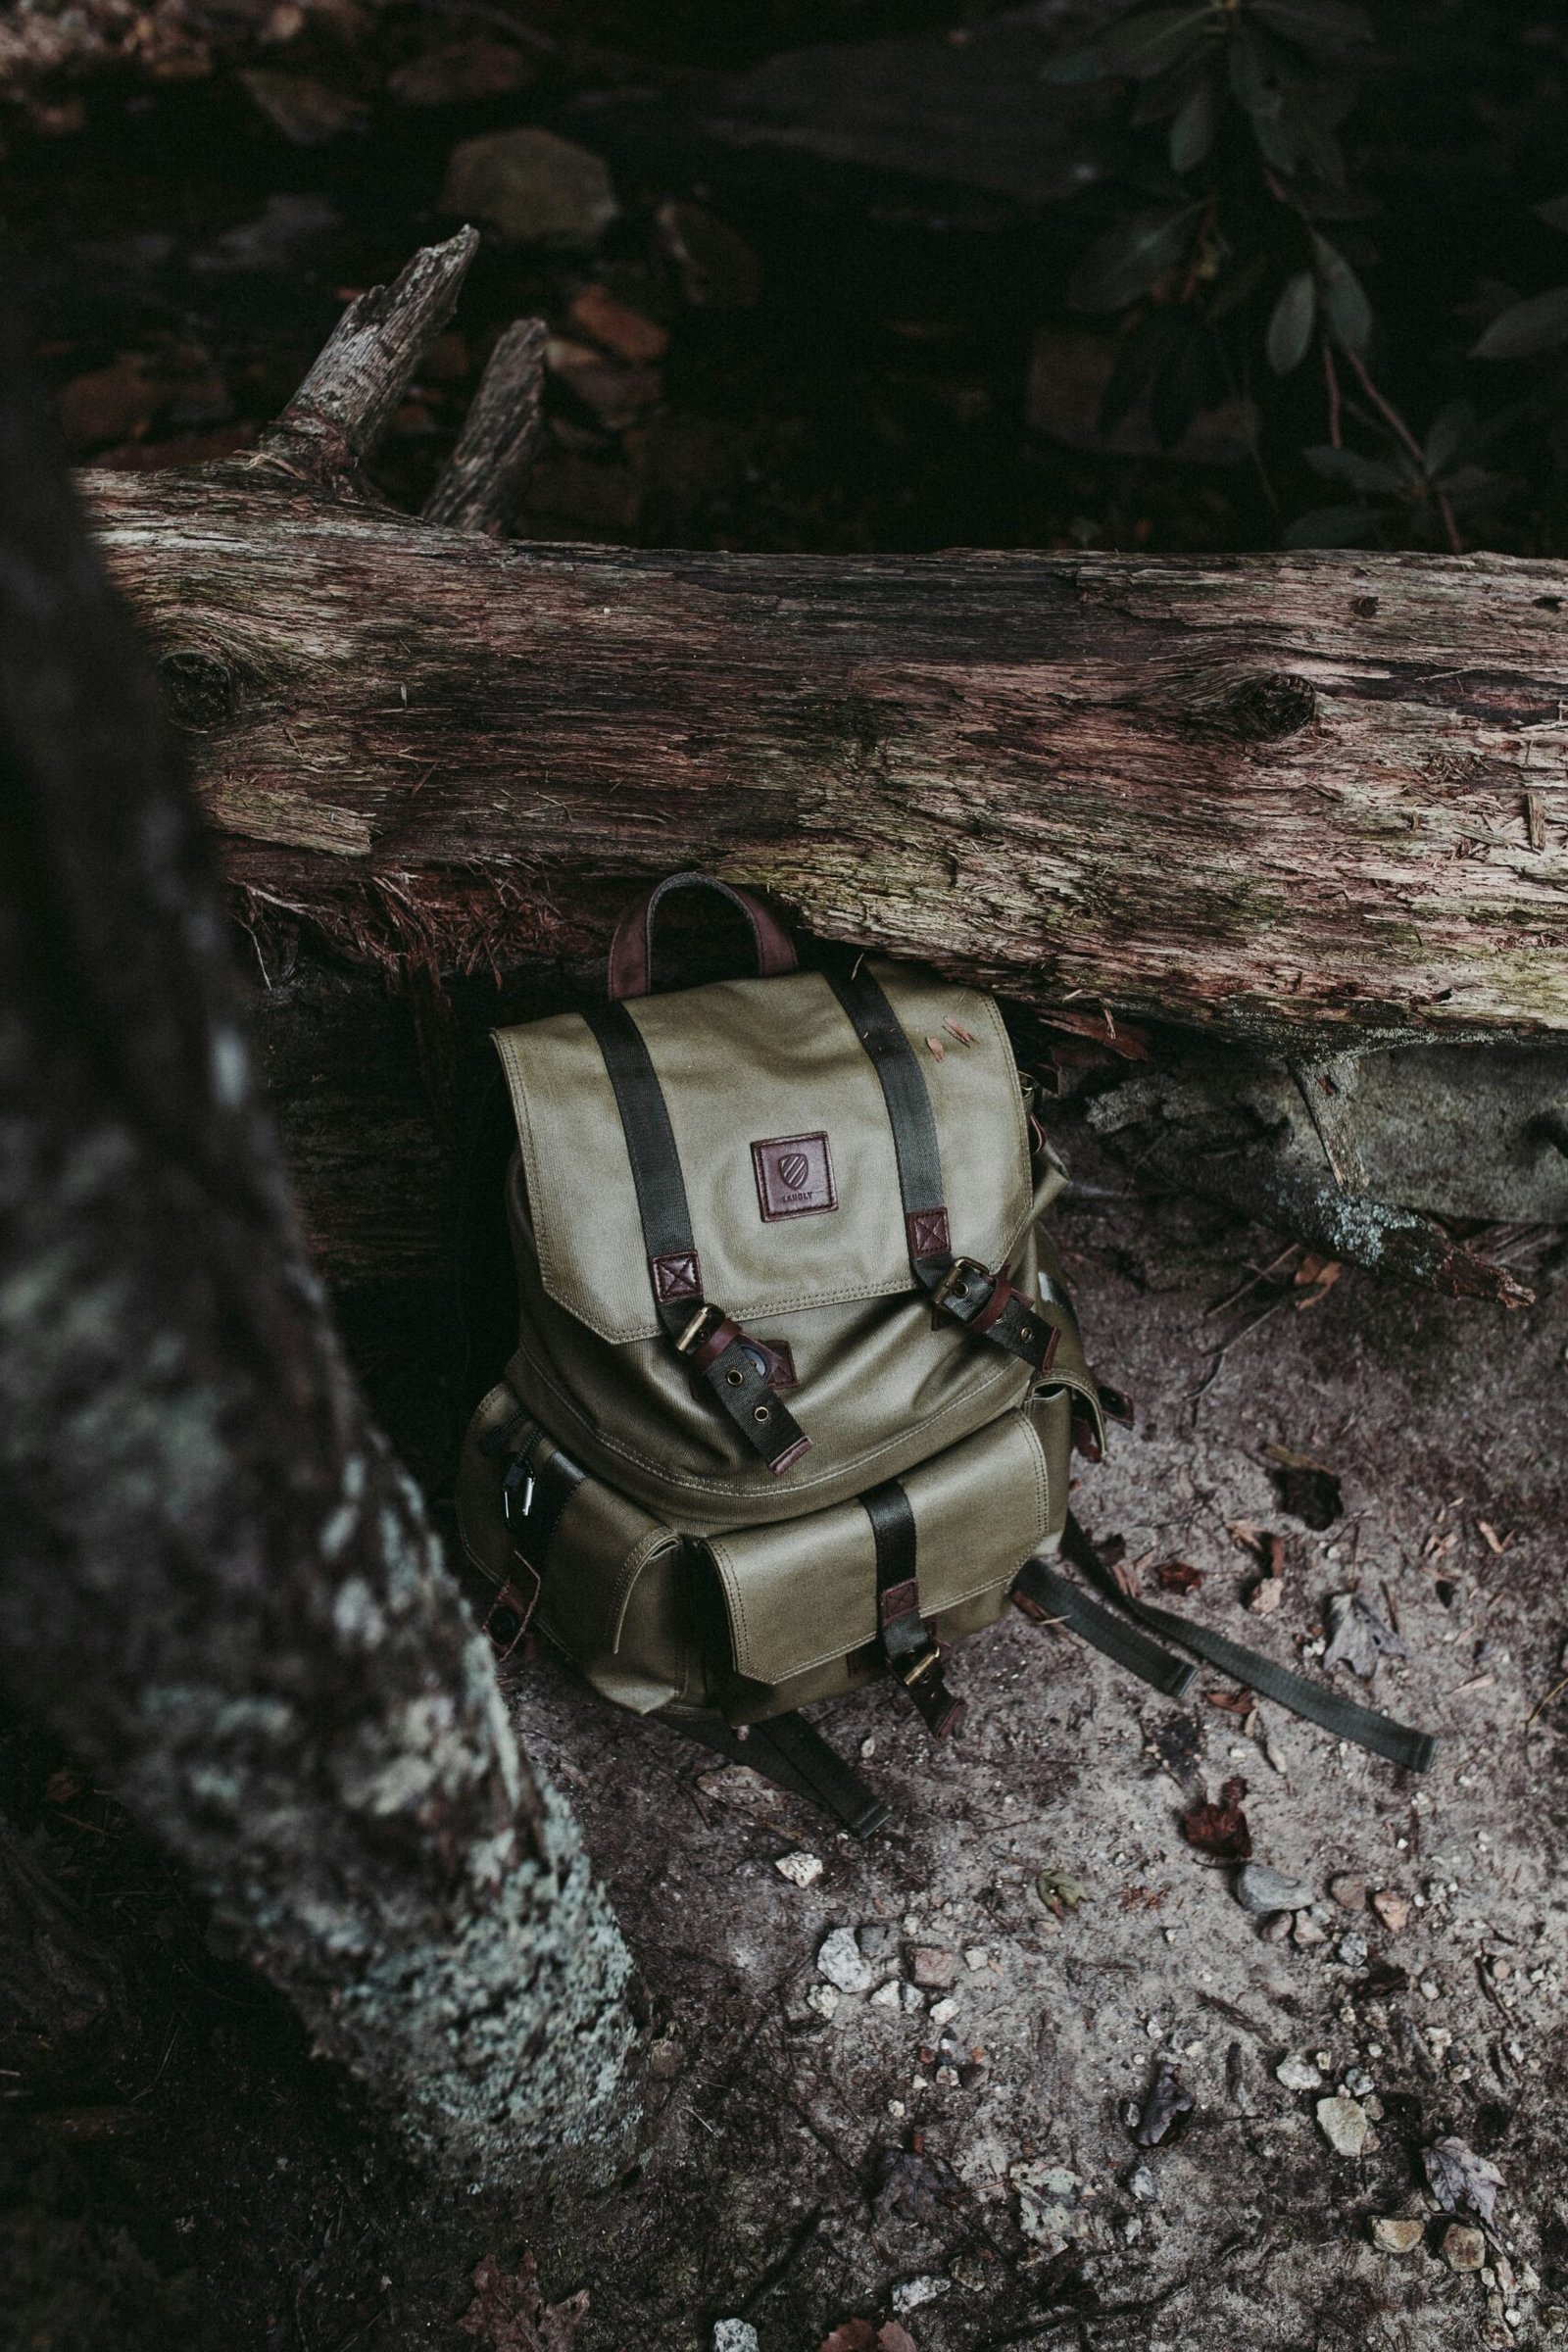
[1266,793]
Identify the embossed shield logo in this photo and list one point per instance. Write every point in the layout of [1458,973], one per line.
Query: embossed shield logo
[793,1177]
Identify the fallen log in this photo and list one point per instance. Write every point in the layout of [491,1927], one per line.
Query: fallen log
[1267,794]
[1313,803]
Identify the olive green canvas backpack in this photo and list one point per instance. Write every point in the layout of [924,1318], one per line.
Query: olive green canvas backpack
[798,1380]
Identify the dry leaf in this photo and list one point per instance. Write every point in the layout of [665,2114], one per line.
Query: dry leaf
[511,2314]
[1494,1541]
[1220,1830]
[1176,1576]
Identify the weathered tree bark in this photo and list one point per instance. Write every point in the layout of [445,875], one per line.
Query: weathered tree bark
[218,1586]
[1296,795]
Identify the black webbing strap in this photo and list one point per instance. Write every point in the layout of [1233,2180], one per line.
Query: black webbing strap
[703,1334]
[1342,1717]
[911,1655]
[1047,1596]
[790,1753]
[533,1502]
[982,1300]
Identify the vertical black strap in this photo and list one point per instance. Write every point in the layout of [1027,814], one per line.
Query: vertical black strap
[702,1333]
[909,1648]
[982,1302]
[1342,1717]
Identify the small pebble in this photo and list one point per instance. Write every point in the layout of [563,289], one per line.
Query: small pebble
[931,1968]
[1349,1891]
[1344,2125]
[824,1998]
[1298,2073]
[978,1956]
[735,2335]
[801,1870]
[1396,2235]
[1307,1930]
[1463,2248]
[912,2293]
[1276,1929]
[840,1960]
[1353,1949]
[1394,1909]
[943,2012]
[1142,2184]
[1260,1890]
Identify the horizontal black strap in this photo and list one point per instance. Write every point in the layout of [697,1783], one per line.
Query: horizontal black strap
[1343,1717]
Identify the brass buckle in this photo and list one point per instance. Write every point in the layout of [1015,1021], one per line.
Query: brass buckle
[702,1324]
[957,1277]
[909,1675]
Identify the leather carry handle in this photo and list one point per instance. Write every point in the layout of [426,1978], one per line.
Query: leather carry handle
[631,951]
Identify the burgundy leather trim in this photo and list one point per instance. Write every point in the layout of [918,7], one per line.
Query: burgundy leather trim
[898,1601]
[786,1460]
[995,1306]
[713,1347]
[926,1233]
[676,1277]
[631,948]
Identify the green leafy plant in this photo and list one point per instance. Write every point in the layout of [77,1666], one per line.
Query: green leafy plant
[1233,269]
[1249,95]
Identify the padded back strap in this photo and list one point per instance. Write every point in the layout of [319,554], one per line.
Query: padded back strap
[703,1334]
[631,951]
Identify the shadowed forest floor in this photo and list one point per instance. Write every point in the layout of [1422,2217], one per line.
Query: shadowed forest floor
[812,2157]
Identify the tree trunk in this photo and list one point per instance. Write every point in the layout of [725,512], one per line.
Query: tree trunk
[1289,796]
[219,1586]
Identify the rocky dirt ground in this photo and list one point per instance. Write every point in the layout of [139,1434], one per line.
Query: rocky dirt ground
[947,2148]
[961,2157]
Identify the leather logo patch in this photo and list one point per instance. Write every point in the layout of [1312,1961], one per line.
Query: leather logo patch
[794,1176]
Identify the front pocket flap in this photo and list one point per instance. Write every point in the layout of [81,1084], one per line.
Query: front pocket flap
[785,1148]
[804,1590]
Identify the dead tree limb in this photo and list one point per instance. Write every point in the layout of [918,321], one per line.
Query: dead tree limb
[1316,798]
[477,486]
[219,1588]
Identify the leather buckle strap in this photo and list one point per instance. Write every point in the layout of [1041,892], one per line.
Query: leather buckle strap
[507,1618]
[983,1302]
[988,1305]
[698,1332]
[910,1652]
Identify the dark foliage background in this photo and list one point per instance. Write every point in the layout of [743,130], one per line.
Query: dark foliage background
[1227,273]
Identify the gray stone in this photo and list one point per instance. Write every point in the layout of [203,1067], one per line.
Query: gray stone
[735,2335]
[933,1969]
[1344,2125]
[1260,1890]
[878,1939]
[533,188]
[843,1963]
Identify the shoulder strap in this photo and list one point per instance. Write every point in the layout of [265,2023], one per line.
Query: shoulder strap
[703,1333]
[1343,1717]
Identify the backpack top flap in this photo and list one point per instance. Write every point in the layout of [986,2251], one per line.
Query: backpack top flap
[786,1151]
